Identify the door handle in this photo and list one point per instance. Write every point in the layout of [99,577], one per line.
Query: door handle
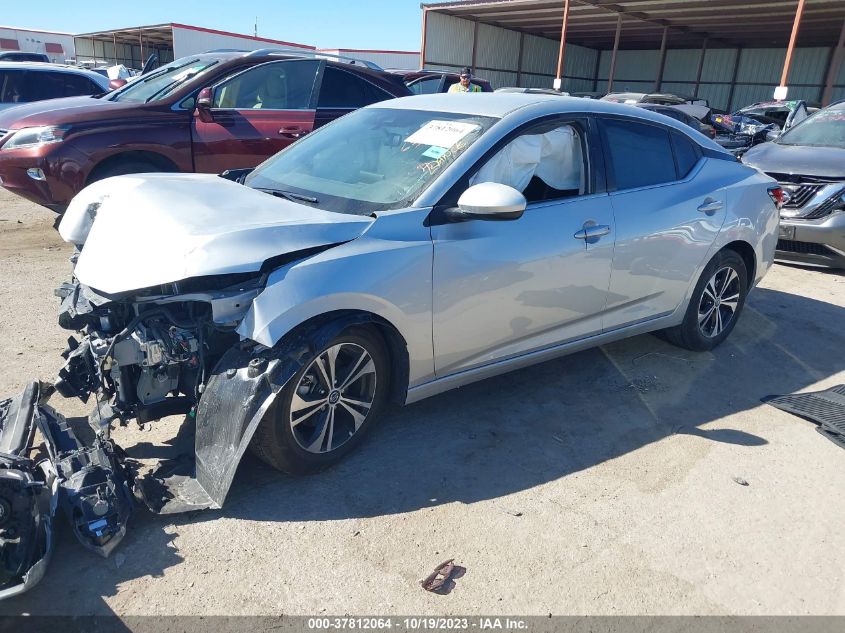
[710,206]
[293,131]
[592,232]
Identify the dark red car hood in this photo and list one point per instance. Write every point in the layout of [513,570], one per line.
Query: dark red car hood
[59,111]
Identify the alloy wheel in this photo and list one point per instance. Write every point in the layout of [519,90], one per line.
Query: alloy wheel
[333,398]
[719,301]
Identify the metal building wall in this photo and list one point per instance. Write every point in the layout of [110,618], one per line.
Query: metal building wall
[192,40]
[33,41]
[757,73]
[103,51]
[730,77]
[386,59]
[449,46]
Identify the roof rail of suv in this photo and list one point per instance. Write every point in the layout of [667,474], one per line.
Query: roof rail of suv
[314,54]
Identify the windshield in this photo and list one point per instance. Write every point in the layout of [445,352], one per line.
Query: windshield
[374,159]
[826,128]
[165,80]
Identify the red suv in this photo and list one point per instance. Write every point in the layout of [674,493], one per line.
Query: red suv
[203,113]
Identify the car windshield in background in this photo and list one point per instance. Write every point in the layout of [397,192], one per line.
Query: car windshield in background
[826,128]
[371,160]
[165,80]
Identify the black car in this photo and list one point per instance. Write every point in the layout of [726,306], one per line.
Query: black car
[677,114]
[17,56]
[808,160]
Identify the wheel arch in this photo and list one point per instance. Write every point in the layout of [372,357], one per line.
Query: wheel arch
[394,343]
[749,257]
[160,161]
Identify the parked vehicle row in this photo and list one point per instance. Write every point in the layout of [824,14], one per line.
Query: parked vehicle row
[808,160]
[757,123]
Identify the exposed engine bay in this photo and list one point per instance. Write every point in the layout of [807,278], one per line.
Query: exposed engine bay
[174,334]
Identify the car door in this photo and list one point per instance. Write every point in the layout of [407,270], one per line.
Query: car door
[255,114]
[506,288]
[669,205]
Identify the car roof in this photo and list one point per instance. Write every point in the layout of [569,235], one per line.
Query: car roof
[501,104]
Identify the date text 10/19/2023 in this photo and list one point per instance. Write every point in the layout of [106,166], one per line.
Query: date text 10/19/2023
[417,623]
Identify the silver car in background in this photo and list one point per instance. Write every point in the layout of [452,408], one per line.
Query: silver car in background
[414,246]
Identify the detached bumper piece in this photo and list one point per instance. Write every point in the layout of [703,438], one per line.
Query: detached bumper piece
[89,483]
[824,408]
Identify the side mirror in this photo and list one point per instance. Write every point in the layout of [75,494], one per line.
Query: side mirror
[489,201]
[205,99]
[114,84]
[773,135]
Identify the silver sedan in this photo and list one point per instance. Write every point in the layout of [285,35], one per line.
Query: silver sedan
[408,248]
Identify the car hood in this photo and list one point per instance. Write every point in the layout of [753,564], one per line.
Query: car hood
[146,230]
[58,111]
[824,162]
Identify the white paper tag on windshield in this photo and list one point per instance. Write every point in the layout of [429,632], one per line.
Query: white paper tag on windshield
[441,133]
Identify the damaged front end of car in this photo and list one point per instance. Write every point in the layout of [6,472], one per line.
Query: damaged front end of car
[143,351]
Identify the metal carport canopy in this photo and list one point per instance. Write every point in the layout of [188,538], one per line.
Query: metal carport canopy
[725,23]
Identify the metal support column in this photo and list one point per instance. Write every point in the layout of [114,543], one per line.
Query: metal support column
[558,84]
[733,79]
[613,55]
[141,41]
[662,63]
[474,46]
[833,69]
[780,92]
[700,67]
[422,42]
[519,59]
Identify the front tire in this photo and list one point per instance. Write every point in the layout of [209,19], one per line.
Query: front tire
[715,305]
[328,407]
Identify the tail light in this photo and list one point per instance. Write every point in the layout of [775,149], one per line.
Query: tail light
[777,196]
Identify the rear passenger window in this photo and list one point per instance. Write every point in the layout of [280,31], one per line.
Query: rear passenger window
[686,153]
[425,86]
[640,154]
[345,90]
[76,85]
[11,86]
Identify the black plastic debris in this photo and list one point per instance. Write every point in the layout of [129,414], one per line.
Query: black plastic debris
[87,481]
[824,408]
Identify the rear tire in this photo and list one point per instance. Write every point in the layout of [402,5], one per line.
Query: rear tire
[715,305]
[328,407]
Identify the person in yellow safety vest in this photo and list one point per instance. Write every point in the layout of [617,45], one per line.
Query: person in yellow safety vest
[464,84]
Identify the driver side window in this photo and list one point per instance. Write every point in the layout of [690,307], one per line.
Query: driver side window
[545,163]
[284,85]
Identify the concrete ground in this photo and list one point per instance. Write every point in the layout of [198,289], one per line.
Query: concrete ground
[600,483]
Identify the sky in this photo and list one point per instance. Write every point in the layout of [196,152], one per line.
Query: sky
[379,24]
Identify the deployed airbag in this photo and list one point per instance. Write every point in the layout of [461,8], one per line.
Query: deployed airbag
[554,157]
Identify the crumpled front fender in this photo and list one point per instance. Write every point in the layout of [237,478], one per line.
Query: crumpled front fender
[243,387]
